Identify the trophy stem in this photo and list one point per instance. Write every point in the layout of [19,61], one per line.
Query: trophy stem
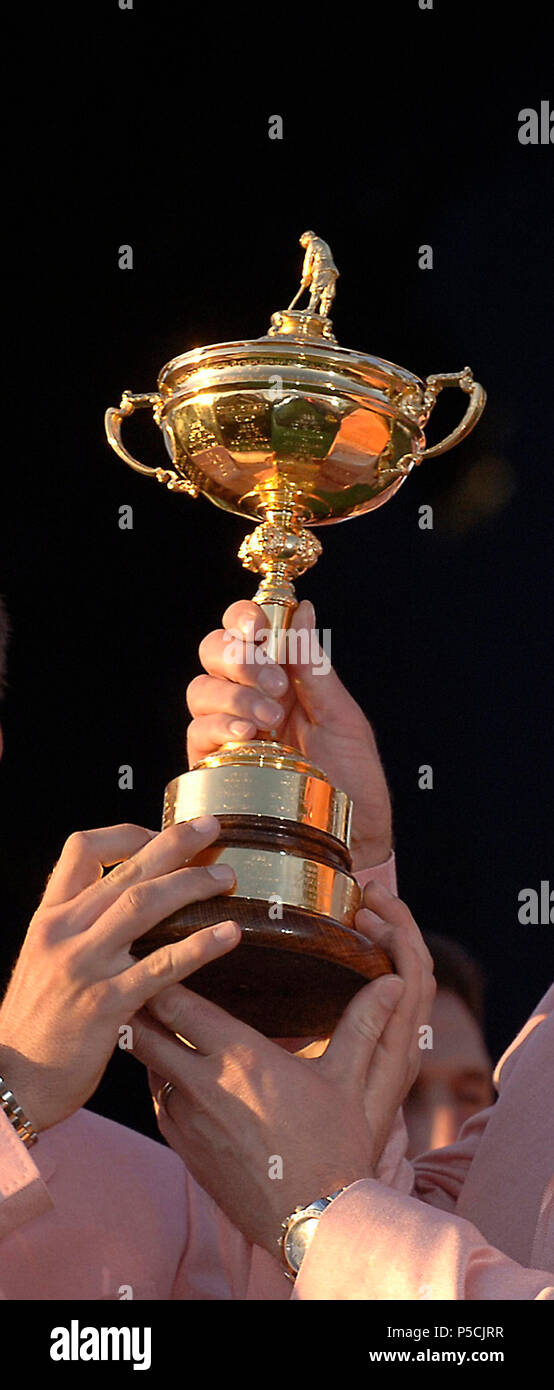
[280,549]
[278,602]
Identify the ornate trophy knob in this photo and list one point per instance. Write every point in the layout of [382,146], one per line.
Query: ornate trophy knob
[290,431]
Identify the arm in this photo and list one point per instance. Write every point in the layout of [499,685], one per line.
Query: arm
[307,267]
[373,1243]
[421,1246]
[76,982]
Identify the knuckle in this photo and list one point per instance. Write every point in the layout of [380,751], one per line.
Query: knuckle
[175,834]
[135,898]
[44,926]
[102,996]
[208,641]
[242,608]
[160,964]
[125,870]
[404,937]
[195,691]
[78,842]
[366,1026]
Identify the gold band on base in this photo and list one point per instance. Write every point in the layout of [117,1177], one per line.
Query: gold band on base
[290,879]
[264,780]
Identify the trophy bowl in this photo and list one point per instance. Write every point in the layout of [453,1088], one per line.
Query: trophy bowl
[331,432]
[293,432]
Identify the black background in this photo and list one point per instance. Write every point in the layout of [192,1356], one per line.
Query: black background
[150,128]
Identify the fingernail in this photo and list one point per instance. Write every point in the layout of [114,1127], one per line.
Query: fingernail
[241,728]
[273,680]
[391,987]
[223,873]
[226,931]
[267,713]
[204,825]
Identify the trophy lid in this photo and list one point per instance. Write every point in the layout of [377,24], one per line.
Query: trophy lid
[285,346]
[302,336]
[291,429]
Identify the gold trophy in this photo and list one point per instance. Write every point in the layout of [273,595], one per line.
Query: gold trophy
[290,431]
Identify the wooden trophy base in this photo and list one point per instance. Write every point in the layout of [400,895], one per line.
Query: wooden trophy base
[288,979]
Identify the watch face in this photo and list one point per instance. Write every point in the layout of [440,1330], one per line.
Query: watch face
[298,1239]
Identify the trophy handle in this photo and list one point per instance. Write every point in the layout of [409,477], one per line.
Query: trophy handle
[113,421]
[476,405]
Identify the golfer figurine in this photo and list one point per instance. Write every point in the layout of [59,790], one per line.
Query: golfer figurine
[319,275]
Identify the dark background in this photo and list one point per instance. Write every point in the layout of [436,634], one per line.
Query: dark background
[400,129]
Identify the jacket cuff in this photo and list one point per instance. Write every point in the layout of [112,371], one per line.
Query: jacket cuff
[23,1194]
[383,873]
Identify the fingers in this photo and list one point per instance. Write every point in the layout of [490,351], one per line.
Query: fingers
[86,853]
[162,1053]
[241,692]
[398,942]
[206,735]
[166,852]
[389,909]
[208,695]
[230,655]
[357,1034]
[145,904]
[315,682]
[246,616]
[175,962]
[204,1024]
[400,937]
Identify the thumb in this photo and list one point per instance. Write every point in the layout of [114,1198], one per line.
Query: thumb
[316,685]
[358,1031]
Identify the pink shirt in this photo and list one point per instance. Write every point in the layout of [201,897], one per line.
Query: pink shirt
[96,1211]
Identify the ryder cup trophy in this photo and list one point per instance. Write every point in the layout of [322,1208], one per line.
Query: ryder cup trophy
[291,432]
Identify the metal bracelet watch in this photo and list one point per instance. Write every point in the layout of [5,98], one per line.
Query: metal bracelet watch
[16,1116]
[299,1230]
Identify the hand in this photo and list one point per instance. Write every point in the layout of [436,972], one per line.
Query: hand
[307,708]
[241,1102]
[75,982]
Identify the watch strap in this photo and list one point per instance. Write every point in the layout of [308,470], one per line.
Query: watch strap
[16,1115]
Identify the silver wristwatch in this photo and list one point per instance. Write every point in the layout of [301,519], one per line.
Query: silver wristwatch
[17,1118]
[299,1230]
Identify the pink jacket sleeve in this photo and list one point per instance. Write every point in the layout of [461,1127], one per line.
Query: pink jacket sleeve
[384,1240]
[376,1243]
[23,1194]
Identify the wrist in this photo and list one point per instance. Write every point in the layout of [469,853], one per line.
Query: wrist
[15,1115]
[17,1080]
[299,1229]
